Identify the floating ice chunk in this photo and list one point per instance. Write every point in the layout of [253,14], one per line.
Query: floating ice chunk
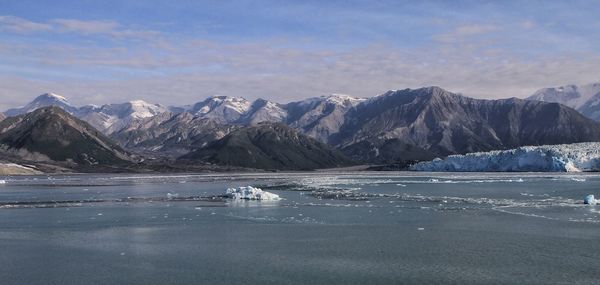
[250,193]
[172,195]
[2,181]
[590,200]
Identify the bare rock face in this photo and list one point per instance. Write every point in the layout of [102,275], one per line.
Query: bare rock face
[321,117]
[444,123]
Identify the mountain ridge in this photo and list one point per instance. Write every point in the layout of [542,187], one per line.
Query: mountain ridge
[271,146]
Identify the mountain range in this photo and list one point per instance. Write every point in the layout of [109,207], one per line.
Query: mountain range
[398,126]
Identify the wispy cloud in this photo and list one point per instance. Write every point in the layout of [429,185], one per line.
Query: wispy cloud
[82,27]
[462,32]
[194,70]
[22,26]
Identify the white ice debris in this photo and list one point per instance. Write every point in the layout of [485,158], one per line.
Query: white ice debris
[250,193]
[560,158]
[590,200]
[2,181]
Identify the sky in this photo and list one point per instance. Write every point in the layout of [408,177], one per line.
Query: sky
[179,52]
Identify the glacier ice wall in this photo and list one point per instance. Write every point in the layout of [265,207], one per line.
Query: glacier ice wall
[551,158]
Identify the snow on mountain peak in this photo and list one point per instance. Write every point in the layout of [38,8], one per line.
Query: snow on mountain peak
[571,95]
[44,100]
[49,99]
[142,109]
[343,99]
[221,108]
[55,96]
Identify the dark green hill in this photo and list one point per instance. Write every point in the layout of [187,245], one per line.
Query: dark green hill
[51,134]
[269,146]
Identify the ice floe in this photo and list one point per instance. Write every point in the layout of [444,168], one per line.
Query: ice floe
[590,200]
[250,193]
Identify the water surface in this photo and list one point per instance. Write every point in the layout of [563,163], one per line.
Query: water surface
[330,228]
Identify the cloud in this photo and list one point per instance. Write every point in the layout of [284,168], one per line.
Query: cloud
[108,28]
[21,26]
[479,59]
[196,69]
[462,32]
[82,27]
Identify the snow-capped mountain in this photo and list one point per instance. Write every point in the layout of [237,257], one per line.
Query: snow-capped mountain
[107,118]
[112,117]
[171,133]
[321,117]
[223,109]
[563,158]
[264,111]
[44,100]
[583,98]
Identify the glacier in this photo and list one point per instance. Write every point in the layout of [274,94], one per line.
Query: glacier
[250,193]
[576,157]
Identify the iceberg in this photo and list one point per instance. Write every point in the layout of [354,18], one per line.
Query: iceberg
[576,157]
[590,200]
[250,193]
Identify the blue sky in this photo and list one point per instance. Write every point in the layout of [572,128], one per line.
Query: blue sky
[176,52]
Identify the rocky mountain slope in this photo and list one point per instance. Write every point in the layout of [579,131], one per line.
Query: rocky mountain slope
[584,98]
[444,123]
[269,146]
[52,134]
[180,131]
[321,117]
[170,134]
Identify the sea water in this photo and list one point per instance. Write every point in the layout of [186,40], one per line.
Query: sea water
[328,228]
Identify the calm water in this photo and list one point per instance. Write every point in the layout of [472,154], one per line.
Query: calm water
[352,228]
